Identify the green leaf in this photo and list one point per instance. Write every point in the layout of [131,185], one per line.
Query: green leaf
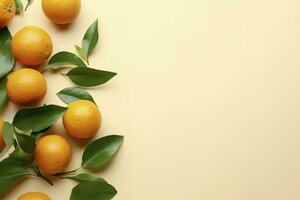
[8,134]
[11,171]
[65,59]
[89,77]
[7,61]
[21,155]
[101,151]
[26,142]
[90,39]
[83,177]
[8,137]
[71,94]
[79,51]
[93,191]
[19,6]
[39,118]
[3,96]
[29,2]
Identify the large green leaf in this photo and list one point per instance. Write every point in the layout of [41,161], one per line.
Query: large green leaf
[11,171]
[83,177]
[90,39]
[19,6]
[7,61]
[65,59]
[89,77]
[3,96]
[101,151]
[39,118]
[93,190]
[71,94]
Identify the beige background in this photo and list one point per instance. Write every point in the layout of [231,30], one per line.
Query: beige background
[208,97]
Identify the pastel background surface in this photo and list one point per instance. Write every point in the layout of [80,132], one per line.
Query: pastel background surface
[207,96]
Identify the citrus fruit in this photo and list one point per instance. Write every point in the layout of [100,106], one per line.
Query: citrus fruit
[82,119]
[31,46]
[7,12]
[52,154]
[1,135]
[61,11]
[26,87]
[34,196]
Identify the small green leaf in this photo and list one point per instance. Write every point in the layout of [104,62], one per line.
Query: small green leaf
[90,39]
[11,171]
[83,177]
[7,61]
[8,137]
[65,59]
[21,155]
[101,151]
[26,142]
[3,96]
[39,118]
[93,190]
[29,2]
[19,6]
[8,134]
[71,94]
[79,51]
[89,77]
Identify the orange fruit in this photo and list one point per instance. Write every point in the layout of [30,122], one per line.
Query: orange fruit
[52,154]
[2,144]
[31,46]
[7,12]
[34,196]
[82,119]
[26,87]
[61,11]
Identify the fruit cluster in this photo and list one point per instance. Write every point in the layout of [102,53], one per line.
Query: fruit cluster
[36,150]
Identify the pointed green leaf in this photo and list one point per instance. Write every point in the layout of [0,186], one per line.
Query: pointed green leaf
[39,118]
[89,77]
[93,191]
[7,61]
[11,171]
[84,177]
[19,6]
[3,96]
[90,39]
[65,59]
[71,94]
[101,151]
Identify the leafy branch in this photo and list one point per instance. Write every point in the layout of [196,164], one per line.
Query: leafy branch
[31,123]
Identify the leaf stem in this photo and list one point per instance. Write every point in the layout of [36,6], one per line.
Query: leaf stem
[38,173]
[64,174]
[64,75]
